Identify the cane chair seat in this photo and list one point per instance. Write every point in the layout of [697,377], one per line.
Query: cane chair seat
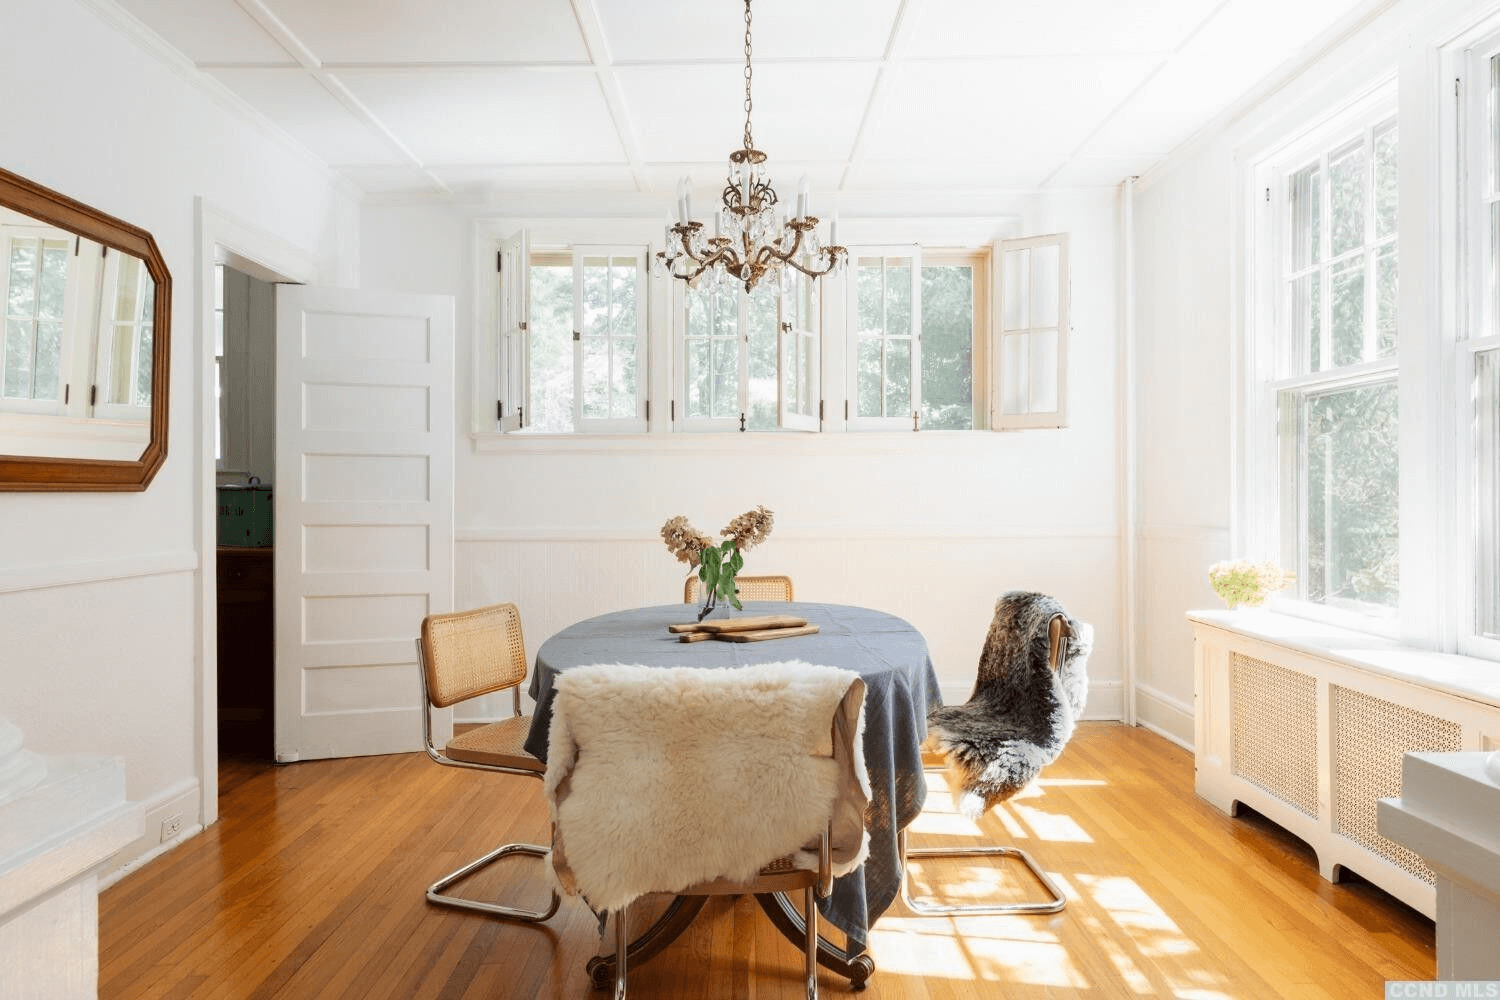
[749,588]
[499,744]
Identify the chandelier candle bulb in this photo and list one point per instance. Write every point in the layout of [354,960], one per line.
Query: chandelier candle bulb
[804,198]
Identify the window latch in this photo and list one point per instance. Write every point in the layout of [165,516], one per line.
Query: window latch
[577,335]
[742,422]
[915,420]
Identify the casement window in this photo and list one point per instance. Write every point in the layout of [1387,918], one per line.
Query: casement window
[748,362]
[1031,355]
[77,326]
[916,337]
[36,291]
[123,362]
[572,345]
[1325,362]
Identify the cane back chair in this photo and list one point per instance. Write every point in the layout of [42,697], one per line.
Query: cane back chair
[463,655]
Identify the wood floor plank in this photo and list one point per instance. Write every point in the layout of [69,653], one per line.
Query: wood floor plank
[311,887]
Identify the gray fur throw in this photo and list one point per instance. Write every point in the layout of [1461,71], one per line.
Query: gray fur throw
[1021,714]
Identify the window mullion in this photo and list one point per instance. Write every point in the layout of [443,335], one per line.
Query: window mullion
[1325,276]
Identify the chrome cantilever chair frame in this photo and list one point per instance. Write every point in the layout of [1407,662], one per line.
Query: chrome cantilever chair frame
[435,892]
[1058,635]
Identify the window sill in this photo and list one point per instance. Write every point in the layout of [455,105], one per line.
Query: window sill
[750,442]
[1464,676]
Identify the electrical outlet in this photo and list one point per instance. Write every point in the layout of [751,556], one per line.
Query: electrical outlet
[171,827]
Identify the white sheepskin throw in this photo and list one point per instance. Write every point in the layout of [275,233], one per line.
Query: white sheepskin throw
[662,778]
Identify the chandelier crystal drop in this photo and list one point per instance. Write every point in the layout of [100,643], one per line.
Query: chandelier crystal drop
[752,236]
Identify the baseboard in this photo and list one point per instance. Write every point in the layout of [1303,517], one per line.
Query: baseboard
[1164,715]
[180,800]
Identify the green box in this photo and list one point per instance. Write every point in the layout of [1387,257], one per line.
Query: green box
[245,515]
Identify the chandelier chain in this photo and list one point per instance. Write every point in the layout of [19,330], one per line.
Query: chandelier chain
[749,142]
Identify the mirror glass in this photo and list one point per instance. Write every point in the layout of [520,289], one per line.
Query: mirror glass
[83,303]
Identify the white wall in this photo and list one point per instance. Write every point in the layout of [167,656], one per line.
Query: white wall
[1191,273]
[98,592]
[932,527]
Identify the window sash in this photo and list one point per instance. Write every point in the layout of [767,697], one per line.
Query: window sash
[615,344]
[123,351]
[897,355]
[21,328]
[1029,387]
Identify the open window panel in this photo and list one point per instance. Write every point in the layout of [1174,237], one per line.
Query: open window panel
[513,349]
[1031,352]
[122,371]
[798,352]
[748,361]
[884,385]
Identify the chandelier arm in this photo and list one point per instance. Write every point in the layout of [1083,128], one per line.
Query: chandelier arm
[832,253]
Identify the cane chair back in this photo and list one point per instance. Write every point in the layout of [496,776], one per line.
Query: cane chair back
[750,588]
[467,654]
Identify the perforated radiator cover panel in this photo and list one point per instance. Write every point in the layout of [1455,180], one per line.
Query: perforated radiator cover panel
[1370,735]
[1274,714]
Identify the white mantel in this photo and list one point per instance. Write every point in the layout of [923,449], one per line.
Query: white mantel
[1449,813]
[61,820]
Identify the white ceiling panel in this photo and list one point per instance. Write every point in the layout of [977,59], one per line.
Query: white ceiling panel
[803,111]
[1019,171]
[506,116]
[402,31]
[709,180]
[950,28]
[970,109]
[539,179]
[209,30]
[1099,171]
[689,30]
[1244,43]
[299,104]
[391,179]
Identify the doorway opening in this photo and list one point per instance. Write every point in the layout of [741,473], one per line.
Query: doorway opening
[245,477]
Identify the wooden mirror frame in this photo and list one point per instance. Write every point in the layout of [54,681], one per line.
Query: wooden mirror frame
[44,473]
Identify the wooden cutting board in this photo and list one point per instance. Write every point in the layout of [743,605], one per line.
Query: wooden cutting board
[759,635]
[749,623]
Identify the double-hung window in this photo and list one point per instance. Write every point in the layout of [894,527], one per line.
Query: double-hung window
[572,338]
[1325,361]
[1478,389]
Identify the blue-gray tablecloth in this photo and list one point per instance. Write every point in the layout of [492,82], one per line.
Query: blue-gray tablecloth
[901,687]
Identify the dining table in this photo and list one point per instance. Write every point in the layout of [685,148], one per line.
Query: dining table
[901,687]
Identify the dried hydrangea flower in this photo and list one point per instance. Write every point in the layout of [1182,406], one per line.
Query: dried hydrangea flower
[684,541]
[750,528]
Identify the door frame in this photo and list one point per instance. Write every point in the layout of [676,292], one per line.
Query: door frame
[221,239]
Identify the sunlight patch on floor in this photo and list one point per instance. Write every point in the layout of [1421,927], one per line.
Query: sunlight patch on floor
[1071,782]
[1155,936]
[1009,949]
[1052,826]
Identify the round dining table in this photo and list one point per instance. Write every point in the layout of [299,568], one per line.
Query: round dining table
[901,687]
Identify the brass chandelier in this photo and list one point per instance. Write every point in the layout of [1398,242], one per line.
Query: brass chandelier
[752,238]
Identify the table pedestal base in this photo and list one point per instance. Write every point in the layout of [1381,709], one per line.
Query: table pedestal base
[857,968]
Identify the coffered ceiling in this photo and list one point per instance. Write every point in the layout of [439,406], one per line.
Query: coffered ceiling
[531,96]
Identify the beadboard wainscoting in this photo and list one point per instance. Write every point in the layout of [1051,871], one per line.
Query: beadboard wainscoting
[943,584]
[1307,724]
[1174,563]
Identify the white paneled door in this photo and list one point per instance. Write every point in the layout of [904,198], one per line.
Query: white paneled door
[364,513]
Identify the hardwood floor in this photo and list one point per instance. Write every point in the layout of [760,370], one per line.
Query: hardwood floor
[311,885]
